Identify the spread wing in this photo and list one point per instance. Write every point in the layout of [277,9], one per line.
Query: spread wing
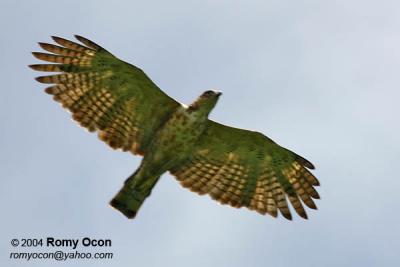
[246,169]
[103,93]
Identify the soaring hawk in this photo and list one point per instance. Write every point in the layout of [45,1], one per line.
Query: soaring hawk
[234,166]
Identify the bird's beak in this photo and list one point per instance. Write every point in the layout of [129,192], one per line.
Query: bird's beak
[219,93]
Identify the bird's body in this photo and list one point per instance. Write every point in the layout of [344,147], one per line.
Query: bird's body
[171,144]
[234,166]
[175,139]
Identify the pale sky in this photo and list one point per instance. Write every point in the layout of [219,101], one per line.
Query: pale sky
[318,77]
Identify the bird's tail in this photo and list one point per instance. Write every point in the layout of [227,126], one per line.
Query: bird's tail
[132,195]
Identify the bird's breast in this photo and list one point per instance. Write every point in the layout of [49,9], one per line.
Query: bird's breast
[176,139]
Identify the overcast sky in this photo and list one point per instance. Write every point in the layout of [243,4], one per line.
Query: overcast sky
[319,77]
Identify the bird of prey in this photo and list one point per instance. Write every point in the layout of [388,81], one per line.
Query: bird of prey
[234,166]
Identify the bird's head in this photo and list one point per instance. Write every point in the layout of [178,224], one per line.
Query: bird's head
[205,102]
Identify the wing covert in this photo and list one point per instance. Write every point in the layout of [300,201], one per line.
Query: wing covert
[103,93]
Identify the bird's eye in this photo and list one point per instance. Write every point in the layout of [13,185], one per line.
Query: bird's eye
[208,93]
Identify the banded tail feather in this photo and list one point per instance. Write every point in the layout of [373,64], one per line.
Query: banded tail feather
[133,194]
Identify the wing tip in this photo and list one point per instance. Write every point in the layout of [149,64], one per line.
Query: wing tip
[43,79]
[299,159]
[306,163]
[288,216]
[310,203]
[87,42]
[42,44]
[303,215]
[33,66]
[55,37]
[36,54]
